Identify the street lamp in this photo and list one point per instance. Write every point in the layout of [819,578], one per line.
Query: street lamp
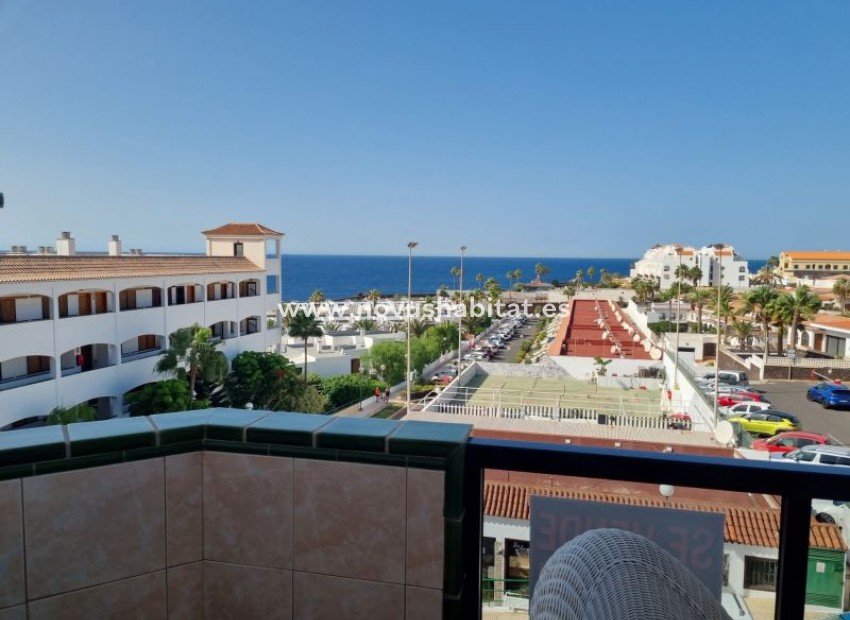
[718,247]
[678,317]
[410,246]
[460,316]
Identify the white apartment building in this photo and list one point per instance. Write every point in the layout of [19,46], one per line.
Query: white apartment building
[661,262]
[89,328]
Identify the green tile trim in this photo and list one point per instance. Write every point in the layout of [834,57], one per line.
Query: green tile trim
[13,472]
[371,458]
[454,483]
[452,573]
[32,444]
[428,438]
[230,424]
[80,462]
[356,434]
[286,428]
[89,438]
[181,426]
[219,445]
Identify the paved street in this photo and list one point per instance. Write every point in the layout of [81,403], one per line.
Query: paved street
[790,396]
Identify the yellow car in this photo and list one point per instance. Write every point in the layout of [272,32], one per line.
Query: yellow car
[768,422]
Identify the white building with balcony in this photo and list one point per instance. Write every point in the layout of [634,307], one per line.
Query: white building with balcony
[661,262]
[89,328]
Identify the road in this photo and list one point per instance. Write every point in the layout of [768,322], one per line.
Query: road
[509,353]
[790,396]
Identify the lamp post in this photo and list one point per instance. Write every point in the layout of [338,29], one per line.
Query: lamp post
[718,247]
[460,316]
[678,317]
[410,246]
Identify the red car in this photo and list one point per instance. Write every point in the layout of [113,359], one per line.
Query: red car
[727,400]
[790,440]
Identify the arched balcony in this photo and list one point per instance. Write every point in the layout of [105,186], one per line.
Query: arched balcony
[85,303]
[221,290]
[249,288]
[88,357]
[24,308]
[224,330]
[25,370]
[250,325]
[181,294]
[140,297]
[142,346]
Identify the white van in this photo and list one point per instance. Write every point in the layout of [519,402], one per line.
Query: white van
[732,377]
[817,455]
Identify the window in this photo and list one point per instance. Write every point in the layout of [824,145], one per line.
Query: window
[742,269]
[666,267]
[760,574]
[238,249]
[741,278]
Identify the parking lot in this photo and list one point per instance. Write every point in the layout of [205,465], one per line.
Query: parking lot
[790,396]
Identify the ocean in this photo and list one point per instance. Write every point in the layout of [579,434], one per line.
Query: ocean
[341,277]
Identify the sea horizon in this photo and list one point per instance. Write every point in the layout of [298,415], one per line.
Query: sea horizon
[343,276]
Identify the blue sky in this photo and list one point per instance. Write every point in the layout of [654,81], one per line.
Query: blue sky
[546,128]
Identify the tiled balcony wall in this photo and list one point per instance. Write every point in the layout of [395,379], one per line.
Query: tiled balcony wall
[231,514]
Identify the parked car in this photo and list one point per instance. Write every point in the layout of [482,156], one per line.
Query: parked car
[787,442]
[829,395]
[745,407]
[727,400]
[768,422]
[817,455]
[732,377]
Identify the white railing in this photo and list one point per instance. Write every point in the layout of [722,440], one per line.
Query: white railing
[562,414]
[806,362]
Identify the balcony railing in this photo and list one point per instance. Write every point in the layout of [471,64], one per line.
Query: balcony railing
[796,486]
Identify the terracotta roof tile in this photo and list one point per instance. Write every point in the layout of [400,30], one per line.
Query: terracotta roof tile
[817,255]
[831,320]
[242,230]
[743,526]
[51,268]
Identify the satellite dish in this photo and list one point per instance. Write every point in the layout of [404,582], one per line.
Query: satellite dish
[724,433]
[655,354]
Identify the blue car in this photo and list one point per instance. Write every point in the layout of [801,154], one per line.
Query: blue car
[829,395]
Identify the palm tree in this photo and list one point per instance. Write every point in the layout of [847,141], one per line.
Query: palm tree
[723,313]
[743,330]
[317,296]
[766,277]
[418,327]
[441,291]
[699,298]
[603,276]
[479,277]
[669,295]
[541,270]
[579,278]
[365,324]
[695,275]
[332,326]
[374,295]
[683,272]
[455,271]
[803,305]
[781,315]
[305,326]
[755,302]
[841,290]
[193,352]
[591,271]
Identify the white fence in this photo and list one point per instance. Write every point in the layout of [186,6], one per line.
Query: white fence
[570,414]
